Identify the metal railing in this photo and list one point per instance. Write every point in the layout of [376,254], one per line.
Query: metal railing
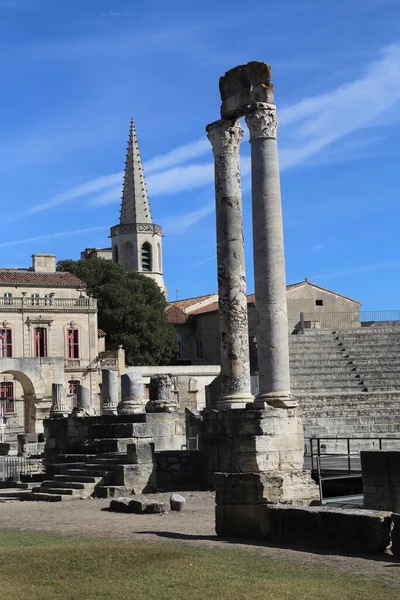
[12,468]
[344,320]
[345,463]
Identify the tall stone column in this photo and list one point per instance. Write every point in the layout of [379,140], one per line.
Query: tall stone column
[132,394]
[269,261]
[225,137]
[109,391]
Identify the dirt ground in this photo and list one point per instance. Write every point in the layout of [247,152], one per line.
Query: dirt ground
[90,518]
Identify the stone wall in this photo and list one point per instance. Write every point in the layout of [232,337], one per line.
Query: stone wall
[181,470]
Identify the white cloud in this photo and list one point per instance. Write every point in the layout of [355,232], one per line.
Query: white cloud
[178,156]
[52,236]
[179,224]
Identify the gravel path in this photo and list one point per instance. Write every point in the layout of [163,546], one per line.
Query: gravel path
[90,518]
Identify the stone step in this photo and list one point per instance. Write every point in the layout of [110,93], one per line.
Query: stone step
[81,469]
[122,430]
[41,497]
[55,483]
[75,476]
[58,491]
[104,458]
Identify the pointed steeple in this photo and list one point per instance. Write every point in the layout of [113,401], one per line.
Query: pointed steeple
[135,206]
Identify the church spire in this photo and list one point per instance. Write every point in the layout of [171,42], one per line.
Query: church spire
[135,205]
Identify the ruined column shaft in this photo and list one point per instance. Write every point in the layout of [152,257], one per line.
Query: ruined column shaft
[59,402]
[269,261]
[109,391]
[225,137]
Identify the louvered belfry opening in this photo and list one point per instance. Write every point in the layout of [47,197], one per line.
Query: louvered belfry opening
[146,257]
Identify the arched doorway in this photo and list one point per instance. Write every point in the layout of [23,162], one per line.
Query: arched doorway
[20,391]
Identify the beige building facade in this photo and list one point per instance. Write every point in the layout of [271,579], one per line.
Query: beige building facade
[48,334]
[196,319]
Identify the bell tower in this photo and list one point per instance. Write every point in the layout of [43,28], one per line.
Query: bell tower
[136,240]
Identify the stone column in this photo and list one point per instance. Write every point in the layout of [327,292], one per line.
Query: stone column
[132,393]
[109,391]
[162,396]
[59,404]
[225,137]
[83,401]
[269,261]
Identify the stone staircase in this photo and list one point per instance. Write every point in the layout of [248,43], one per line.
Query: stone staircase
[125,469]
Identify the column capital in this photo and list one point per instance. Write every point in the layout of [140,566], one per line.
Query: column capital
[225,136]
[261,120]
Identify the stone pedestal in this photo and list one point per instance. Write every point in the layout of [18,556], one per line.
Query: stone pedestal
[109,391]
[257,457]
[162,397]
[60,406]
[225,137]
[132,393]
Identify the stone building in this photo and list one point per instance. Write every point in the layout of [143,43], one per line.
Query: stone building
[136,240]
[48,334]
[196,319]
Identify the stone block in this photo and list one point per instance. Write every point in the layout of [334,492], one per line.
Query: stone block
[141,452]
[242,520]
[177,502]
[138,506]
[138,479]
[264,488]
[244,85]
[396,534]
[382,498]
[350,531]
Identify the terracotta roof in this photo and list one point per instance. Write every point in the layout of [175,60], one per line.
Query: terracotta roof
[21,277]
[205,309]
[101,333]
[182,304]
[176,315]
[300,283]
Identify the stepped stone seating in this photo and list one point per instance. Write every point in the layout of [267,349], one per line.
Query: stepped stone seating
[348,383]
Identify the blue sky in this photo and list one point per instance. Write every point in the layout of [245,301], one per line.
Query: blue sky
[73,72]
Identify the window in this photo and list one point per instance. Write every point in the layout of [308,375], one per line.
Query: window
[7,299]
[40,342]
[180,346]
[115,253]
[35,299]
[319,303]
[73,343]
[147,391]
[7,397]
[146,257]
[199,350]
[5,343]
[73,390]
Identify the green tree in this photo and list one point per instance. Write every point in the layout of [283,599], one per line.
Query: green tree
[131,310]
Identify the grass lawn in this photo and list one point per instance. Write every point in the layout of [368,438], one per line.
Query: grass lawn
[38,566]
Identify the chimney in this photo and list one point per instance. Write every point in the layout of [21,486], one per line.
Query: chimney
[44,263]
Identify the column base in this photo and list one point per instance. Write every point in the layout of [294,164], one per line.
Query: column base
[238,400]
[280,400]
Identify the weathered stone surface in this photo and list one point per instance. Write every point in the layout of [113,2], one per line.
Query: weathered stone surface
[141,452]
[138,506]
[177,502]
[265,488]
[132,393]
[225,138]
[162,396]
[269,260]
[244,85]
[358,531]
